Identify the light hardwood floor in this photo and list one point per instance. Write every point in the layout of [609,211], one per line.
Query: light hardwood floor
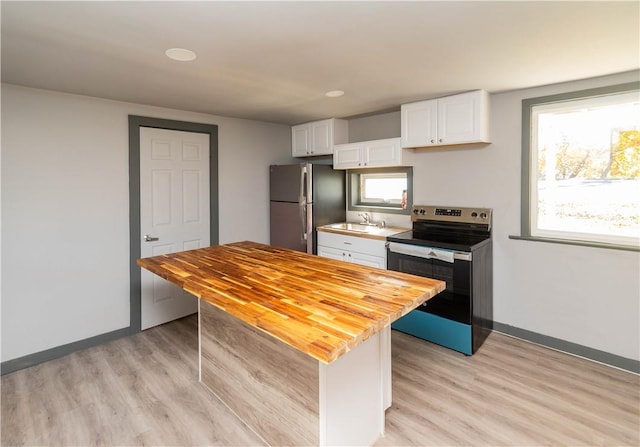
[144,390]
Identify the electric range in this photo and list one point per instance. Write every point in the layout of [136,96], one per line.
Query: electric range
[452,244]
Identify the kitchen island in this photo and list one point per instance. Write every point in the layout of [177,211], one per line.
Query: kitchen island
[296,345]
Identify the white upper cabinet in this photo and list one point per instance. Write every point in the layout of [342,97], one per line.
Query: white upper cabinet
[347,156]
[457,119]
[371,154]
[419,123]
[300,140]
[318,137]
[385,152]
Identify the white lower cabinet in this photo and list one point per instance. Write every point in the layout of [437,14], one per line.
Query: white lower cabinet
[359,250]
[331,252]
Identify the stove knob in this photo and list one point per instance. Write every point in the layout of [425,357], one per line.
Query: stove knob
[422,211]
[483,215]
[474,214]
[416,211]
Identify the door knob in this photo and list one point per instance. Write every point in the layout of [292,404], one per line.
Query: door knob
[148,238]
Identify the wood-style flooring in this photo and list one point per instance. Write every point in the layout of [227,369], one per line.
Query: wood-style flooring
[143,390]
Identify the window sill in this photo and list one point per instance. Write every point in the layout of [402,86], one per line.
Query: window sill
[579,243]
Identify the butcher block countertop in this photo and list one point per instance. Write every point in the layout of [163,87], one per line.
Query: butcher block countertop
[319,306]
[379,233]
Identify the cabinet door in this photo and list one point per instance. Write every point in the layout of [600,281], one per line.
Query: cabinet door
[459,118]
[347,156]
[419,122]
[382,153]
[300,140]
[322,137]
[330,252]
[368,260]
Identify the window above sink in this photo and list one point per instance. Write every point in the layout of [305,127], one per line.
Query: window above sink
[382,190]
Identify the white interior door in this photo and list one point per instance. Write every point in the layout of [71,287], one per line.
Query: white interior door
[174,213]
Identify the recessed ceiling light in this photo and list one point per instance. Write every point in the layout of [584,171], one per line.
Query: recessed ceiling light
[334,93]
[180,54]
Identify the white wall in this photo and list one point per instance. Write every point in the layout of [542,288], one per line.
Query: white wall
[375,127]
[65,218]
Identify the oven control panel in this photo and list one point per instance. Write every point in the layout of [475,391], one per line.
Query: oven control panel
[448,212]
[451,214]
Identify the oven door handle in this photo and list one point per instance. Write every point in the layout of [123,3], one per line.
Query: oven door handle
[429,252]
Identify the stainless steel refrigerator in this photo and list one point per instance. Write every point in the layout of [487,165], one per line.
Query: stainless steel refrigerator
[303,197]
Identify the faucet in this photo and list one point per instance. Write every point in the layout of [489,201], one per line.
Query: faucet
[366,220]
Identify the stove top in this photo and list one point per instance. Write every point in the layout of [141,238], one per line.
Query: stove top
[461,229]
[451,242]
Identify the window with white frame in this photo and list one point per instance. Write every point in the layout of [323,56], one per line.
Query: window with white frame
[583,167]
[383,189]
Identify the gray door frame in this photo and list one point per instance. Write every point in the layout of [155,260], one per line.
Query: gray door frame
[135,122]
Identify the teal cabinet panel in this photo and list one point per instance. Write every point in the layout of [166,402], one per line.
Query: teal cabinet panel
[442,331]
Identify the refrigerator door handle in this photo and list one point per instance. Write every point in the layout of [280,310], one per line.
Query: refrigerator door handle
[302,202]
[309,208]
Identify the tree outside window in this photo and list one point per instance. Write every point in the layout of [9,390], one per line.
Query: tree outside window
[584,169]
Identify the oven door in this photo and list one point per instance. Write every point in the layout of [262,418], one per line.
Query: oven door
[454,268]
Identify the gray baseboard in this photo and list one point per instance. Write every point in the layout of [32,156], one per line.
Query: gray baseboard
[568,347]
[572,348]
[59,351]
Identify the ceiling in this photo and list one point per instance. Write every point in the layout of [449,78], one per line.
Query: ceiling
[274,61]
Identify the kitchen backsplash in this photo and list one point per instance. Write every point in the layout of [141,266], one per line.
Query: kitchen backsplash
[391,220]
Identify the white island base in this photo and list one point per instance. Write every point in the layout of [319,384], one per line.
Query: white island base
[286,396]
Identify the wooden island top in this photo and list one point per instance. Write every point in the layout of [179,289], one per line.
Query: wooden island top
[319,306]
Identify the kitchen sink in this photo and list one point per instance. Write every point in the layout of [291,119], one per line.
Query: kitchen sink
[358,228]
